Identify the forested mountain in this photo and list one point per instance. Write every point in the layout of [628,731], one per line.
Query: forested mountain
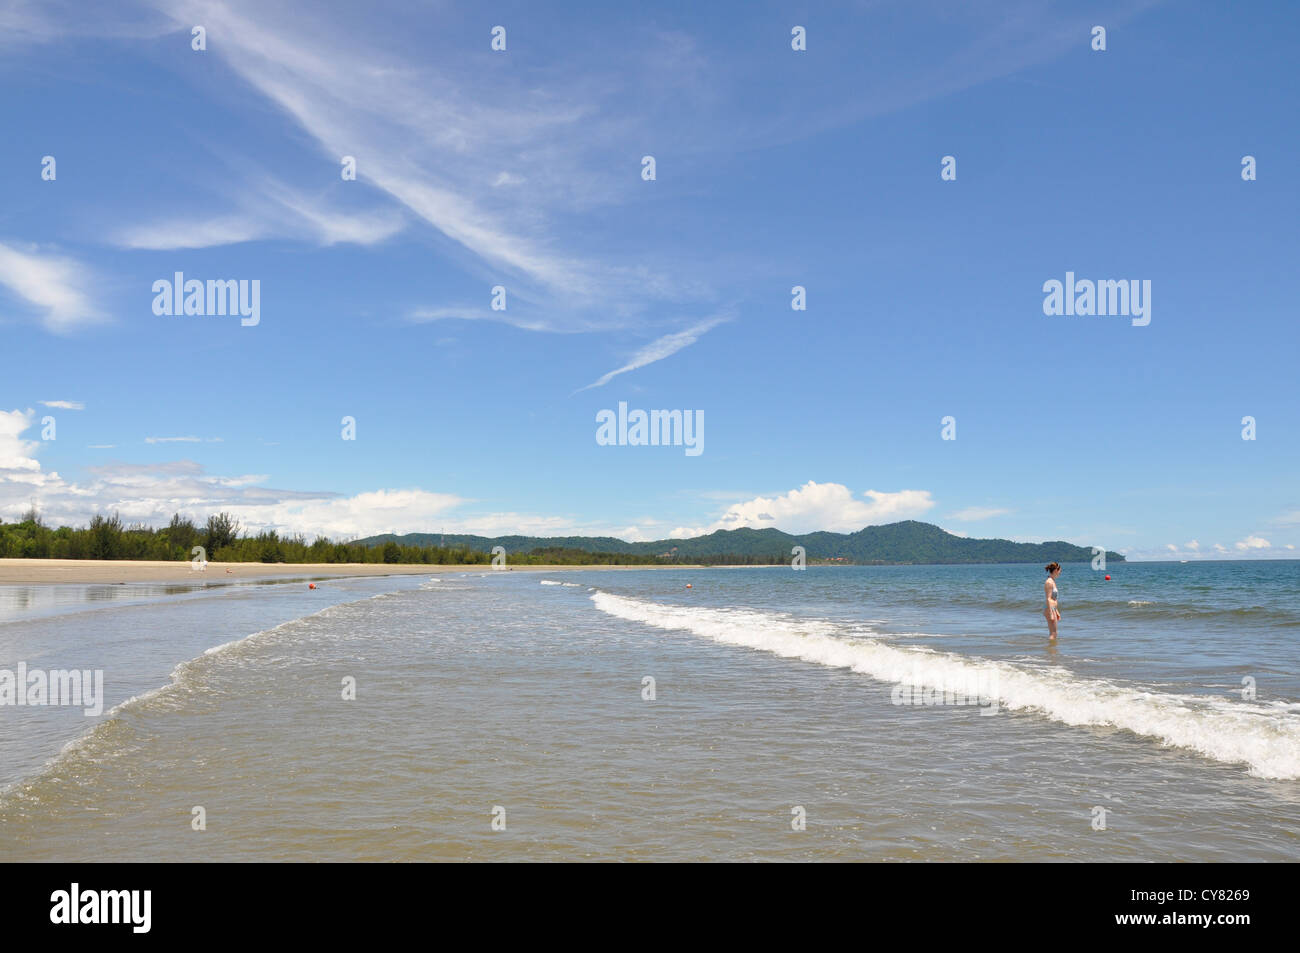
[908,542]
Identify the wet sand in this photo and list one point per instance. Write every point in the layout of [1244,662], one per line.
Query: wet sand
[36,571]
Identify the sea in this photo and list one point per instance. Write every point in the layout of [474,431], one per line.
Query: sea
[876,713]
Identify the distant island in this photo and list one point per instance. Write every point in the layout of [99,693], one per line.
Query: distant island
[222,540]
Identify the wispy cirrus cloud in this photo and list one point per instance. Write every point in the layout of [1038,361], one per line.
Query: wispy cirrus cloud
[270,210]
[657,350]
[471,313]
[518,170]
[186,232]
[507,171]
[57,287]
[972,514]
[41,21]
[64,404]
[420,135]
[508,168]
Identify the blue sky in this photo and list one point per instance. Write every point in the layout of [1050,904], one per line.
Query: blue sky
[774,168]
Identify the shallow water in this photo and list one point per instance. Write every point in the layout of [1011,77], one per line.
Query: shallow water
[775,691]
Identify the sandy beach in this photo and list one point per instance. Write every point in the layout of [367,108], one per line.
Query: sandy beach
[106,571]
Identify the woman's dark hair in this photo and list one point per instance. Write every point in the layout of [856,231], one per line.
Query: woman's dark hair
[1052,567]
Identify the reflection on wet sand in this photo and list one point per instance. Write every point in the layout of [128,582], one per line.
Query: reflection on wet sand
[57,598]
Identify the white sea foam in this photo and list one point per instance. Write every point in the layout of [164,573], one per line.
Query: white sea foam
[552,582]
[1266,738]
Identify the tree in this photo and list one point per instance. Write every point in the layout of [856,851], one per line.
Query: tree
[181,532]
[105,537]
[268,547]
[223,529]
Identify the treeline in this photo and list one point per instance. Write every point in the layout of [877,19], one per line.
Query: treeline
[222,540]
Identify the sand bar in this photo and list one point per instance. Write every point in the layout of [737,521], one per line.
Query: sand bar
[38,571]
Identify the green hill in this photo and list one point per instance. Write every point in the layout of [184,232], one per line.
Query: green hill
[908,542]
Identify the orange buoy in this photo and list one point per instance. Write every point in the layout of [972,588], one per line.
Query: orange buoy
[688,585]
[312,585]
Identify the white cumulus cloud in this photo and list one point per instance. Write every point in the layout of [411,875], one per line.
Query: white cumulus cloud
[16,454]
[150,493]
[818,506]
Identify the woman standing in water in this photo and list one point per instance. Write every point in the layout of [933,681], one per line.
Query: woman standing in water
[1052,613]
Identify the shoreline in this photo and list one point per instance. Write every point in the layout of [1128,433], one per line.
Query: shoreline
[19,572]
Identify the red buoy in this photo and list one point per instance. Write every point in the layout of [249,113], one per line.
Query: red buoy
[312,585]
[1108,578]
